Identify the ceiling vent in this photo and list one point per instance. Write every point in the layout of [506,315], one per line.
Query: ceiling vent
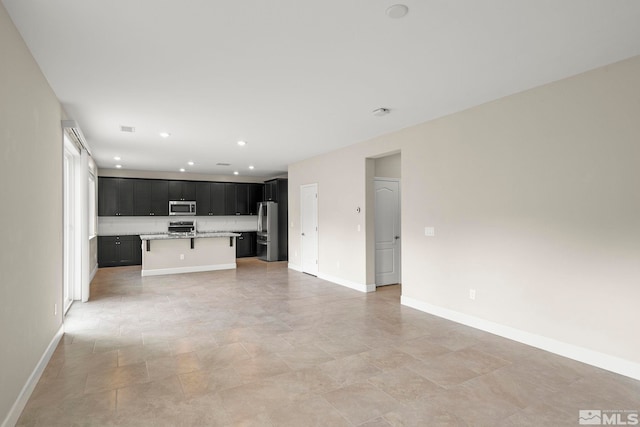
[129,129]
[223,164]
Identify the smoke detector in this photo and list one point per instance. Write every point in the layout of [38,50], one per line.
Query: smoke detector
[379,112]
[397,11]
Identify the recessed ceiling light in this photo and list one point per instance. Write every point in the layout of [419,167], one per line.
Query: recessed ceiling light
[242,143]
[165,134]
[190,163]
[381,112]
[397,11]
[118,166]
[129,129]
[117,158]
[251,167]
[182,169]
[236,172]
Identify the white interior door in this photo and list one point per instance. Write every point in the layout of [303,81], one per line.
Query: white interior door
[387,229]
[309,228]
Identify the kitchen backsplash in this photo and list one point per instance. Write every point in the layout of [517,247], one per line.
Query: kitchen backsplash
[110,226]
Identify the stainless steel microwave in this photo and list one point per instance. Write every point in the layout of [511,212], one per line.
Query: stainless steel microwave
[181,207]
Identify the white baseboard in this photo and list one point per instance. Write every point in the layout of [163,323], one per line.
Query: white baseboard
[581,354]
[338,281]
[93,273]
[349,284]
[295,267]
[179,270]
[32,381]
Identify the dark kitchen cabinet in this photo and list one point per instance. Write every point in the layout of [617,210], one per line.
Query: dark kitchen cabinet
[151,197]
[242,199]
[115,197]
[182,190]
[246,195]
[231,198]
[246,244]
[210,198]
[114,251]
[255,196]
[270,191]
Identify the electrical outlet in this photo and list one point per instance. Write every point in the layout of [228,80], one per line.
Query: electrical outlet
[429,231]
[358,227]
[181,256]
[472,294]
[55,309]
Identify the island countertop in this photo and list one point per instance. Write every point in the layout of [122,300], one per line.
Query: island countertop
[197,235]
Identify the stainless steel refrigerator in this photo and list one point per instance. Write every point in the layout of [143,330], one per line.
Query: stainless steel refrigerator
[268,231]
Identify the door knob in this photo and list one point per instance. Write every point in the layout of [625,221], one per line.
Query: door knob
[303,234]
[397,237]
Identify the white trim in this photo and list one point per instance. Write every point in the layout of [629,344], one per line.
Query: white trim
[32,381]
[581,354]
[195,269]
[347,283]
[93,273]
[294,267]
[379,178]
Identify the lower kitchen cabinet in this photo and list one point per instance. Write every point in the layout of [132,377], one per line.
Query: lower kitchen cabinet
[114,251]
[246,244]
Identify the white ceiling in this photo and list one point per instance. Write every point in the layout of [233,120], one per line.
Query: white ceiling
[295,78]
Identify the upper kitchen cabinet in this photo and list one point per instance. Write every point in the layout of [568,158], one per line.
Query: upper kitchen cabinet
[210,198]
[182,190]
[231,198]
[270,191]
[242,198]
[115,197]
[151,197]
[274,190]
[254,196]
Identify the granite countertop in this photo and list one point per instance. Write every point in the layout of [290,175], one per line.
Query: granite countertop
[199,234]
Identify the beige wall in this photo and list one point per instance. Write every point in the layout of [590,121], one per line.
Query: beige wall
[534,200]
[388,166]
[31,194]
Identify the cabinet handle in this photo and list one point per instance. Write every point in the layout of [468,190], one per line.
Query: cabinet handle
[151,213]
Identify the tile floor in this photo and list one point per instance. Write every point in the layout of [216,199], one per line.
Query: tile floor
[267,346]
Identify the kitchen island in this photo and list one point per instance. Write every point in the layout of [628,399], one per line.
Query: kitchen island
[168,253]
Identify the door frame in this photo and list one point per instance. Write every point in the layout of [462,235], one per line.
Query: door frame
[302,264]
[72,225]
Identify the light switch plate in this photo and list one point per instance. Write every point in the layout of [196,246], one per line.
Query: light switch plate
[429,231]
